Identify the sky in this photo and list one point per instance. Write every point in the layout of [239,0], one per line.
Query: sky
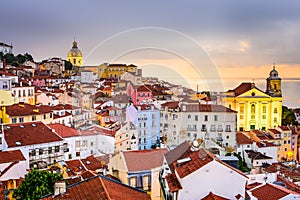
[180,41]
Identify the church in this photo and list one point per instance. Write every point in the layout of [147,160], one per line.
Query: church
[75,55]
[255,108]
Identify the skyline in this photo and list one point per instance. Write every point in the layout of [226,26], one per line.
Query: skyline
[241,39]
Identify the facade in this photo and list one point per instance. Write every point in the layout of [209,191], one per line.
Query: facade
[257,109]
[139,169]
[25,93]
[186,166]
[39,150]
[75,56]
[6,48]
[114,71]
[189,121]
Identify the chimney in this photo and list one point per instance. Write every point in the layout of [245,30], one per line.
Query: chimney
[60,188]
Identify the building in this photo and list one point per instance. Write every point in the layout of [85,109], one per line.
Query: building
[139,169]
[39,150]
[190,172]
[257,109]
[114,71]
[187,121]
[97,187]
[6,48]
[75,56]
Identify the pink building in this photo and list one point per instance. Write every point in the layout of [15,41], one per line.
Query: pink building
[140,94]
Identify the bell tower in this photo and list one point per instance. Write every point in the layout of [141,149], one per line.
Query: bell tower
[274,84]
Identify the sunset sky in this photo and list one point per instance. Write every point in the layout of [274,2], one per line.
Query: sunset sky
[171,39]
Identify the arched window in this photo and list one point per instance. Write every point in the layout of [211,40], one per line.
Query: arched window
[74,61]
[252,108]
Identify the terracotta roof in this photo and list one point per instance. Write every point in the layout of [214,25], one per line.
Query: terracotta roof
[274,131]
[212,196]
[197,107]
[242,139]
[61,116]
[144,159]
[265,144]
[142,89]
[256,155]
[64,107]
[173,183]
[271,192]
[242,88]
[284,128]
[64,131]
[11,156]
[74,167]
[171,105]
[283,170]
[197,160]
[30,133]
[100,187]
[289,184]
[92,163]
[23,109]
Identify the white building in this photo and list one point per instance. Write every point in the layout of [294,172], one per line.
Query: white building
[40,145]
[6,48]
[182,121]
[192,173]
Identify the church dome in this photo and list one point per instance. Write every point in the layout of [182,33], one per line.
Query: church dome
[274,73]
[74,52]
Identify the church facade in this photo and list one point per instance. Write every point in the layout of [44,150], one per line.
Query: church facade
[257,109]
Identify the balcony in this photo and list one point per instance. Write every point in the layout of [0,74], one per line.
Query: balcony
[220,130]
[227,130]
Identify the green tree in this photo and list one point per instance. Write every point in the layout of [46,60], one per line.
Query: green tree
[9,57]
[288,116]
[68,65]
[36,184]
[28,57]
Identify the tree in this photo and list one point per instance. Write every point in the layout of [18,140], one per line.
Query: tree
[36,184]
[288,116]
[68,65]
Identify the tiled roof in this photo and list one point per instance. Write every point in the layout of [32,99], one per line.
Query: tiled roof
[30,133]
[142,89]
[242,139]
[212,196]
[270,192]
[171,105]
[274,131]
[256,155]
[283,170]
[24,109]
[197,107]
[173,183]
[289,185]
[265,144]
[198,160]
[61,116]
[144,159]
[11,156]
[242,88]
[100,187]
[64,107]
[92,163]
[74,167]
[284,128]
[64,131]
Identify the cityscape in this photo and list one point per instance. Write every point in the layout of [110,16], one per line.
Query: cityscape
[156,101]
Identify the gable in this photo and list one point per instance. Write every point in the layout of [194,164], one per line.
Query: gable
[254,93]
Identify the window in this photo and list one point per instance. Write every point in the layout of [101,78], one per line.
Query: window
[242,109]
[205,118]
[146,181]
[14,120]
[56,149]
[77,154]
[77,144]
[41,151]
[275,120]
[132,181]
[203,127]
[263,116]
[216,117]
[196,117]
[70,156]
[194,127]
[241,128]
[275,110]
[21,119]
[252,127]
[264,109]
[51,115]
[49,150]
[33,118]
[227,137]
[252,109]
[189,116]
[212,127]
[44,116]
[241,116]
[84,143]
[220,128]
[228,128]
[92,144]
[33,152]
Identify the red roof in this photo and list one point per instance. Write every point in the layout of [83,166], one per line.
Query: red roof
[92,163]
[24,109]
[144,159]
[271,192]
[173,183]
[170,105]
[11,156]
[64,131]
[30,133]
[212,196]
[242,88]
[100,187]
[242,139]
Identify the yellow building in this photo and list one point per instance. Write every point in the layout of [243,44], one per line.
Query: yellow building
[257,109]
[115,70]
[75,55]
